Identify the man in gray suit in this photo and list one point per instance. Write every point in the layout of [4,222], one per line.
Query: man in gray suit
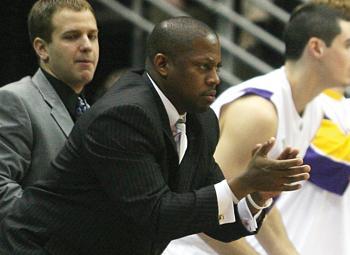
[37,113]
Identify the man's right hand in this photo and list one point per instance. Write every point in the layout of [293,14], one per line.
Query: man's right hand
[270,175]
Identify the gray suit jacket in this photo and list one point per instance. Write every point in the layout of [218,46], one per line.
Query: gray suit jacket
[34,125]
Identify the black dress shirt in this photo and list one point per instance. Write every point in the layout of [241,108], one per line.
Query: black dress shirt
[65,93]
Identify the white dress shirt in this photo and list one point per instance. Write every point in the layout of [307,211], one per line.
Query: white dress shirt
[225,197]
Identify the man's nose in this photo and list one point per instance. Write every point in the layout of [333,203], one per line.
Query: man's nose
[85,43]
[214,78]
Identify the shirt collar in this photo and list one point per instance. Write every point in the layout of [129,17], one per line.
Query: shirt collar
[169,107]
[65,93]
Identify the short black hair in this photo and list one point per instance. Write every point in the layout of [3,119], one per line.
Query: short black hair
[312,20]
[174,36]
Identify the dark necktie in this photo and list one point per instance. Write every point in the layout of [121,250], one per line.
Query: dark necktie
[81,107]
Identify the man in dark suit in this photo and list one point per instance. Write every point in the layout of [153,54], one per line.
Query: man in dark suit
[120,184]
[37,113]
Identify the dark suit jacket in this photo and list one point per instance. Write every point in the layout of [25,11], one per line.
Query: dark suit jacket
[34,125]
[117,188]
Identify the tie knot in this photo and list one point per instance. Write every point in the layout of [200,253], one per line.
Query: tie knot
[81,106]
[180,125]
[181,121]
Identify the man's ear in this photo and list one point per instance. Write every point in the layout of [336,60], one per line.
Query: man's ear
[40,47]
[161,64]
[316,47]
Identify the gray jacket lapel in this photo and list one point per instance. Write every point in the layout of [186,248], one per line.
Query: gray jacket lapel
[58,111]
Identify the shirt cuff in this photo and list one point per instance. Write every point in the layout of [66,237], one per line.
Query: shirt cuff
[248,221]
[226,200]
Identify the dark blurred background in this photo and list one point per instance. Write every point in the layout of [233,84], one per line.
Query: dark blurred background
[18,58]
[117,47]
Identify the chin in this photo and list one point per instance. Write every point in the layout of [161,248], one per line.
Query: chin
[200,109]
[86,78]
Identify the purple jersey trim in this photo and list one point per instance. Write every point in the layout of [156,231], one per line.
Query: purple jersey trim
[259,92]
[326,173]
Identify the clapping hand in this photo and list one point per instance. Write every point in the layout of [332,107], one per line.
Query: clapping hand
[271,176]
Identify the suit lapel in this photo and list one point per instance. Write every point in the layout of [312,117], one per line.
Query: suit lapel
[164,119]
[170,165]
[189,172]
[181,177]
[58,111]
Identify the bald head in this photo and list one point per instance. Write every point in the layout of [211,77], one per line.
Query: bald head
[175,36]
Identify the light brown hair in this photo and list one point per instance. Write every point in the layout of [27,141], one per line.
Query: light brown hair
[40,16]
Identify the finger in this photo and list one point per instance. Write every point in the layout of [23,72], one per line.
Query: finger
[291,187]
[256,148]
[280,165]
[296,170]
[294,153]
[285,153]
[288,153]
[297,178]
[265,147]
[284,187]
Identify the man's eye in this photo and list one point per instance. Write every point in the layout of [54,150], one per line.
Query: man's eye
[204,67]
[70,37]
[93,37]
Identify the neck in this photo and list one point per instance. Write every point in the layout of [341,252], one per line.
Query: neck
[76,87]
[304,82]
[166,90]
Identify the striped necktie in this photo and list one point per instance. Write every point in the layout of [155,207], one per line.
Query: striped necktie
[180,138]
[81,107]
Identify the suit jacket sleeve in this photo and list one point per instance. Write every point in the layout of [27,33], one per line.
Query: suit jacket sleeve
[223,232]
[125,150]
[15,148]
[220,232]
